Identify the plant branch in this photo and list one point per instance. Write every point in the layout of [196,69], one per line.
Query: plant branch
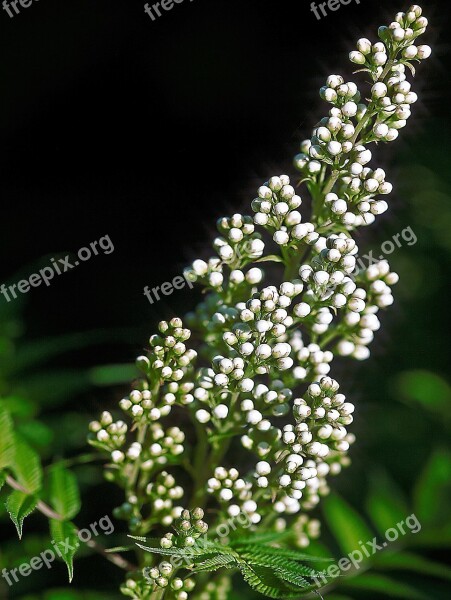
[48,512]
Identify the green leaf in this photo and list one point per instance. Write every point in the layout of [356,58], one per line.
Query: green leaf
[202,548]
[425,388]
[274,561]
[385,504]
[405,561]
[141,538]
[286,553]
[64,534]
[254,579]
[369,582]
[345,523]
[27,466]
[2,479]
[64,494]
[19,506]
[36,433]
[290,576]
[214,563]
[6,438]
[265,582]
[432,494]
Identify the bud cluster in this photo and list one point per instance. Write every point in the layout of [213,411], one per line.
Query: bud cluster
[271,424]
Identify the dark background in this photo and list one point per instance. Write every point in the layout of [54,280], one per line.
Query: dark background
[111,124]
[148,131]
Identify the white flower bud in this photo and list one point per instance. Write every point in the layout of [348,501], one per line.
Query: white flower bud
[254,276]
[424,52]
[364,45]
[357,57]
[254,417]
[302,309]
[379,90]
[281,238]
[203,416]
[221,411]
[200,267]
[349,109]
[215,279]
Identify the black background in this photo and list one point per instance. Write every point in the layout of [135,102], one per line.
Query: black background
[112,124]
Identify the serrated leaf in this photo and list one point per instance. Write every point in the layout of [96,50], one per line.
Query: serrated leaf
[265,582]
[345,523]
[6,438]
[19,506]
[26,466]
[253,579]
[369,582]
[213,564]
[277,561]
[432,495]
[385,504]
[141,538]
[285,570]
[203,548]
[64,533]
[285,552]
[406,561]
[63,490]
[287,575]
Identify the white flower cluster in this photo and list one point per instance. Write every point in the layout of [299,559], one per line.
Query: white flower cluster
[339,141]
[275,208]
[259,379]
[233,493]
[161,494]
